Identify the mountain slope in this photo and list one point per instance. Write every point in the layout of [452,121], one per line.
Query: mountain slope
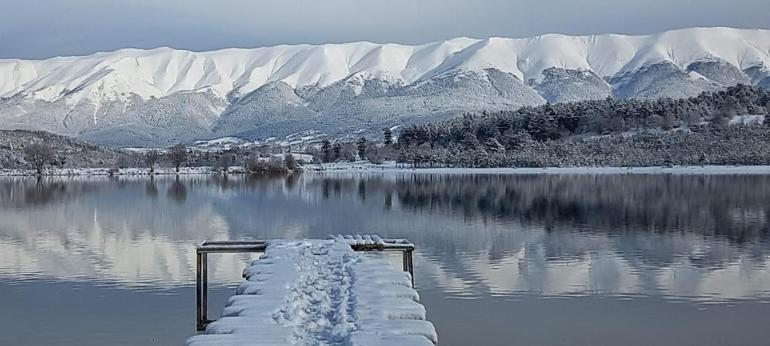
[160,96]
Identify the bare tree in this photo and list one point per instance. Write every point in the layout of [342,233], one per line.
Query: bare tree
[59,161]
[178,155]
[373,154]
[224,162]
[38,155]
[151,158]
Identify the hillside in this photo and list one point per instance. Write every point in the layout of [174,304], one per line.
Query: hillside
[68,152]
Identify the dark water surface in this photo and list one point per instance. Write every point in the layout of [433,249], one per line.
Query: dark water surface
[501,260]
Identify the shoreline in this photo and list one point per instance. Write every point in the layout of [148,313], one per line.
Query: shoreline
[392,168]
[674,170]
[100,172]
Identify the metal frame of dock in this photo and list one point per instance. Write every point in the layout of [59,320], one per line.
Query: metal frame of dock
[256,246]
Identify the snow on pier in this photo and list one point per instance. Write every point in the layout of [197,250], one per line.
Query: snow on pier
[321,292]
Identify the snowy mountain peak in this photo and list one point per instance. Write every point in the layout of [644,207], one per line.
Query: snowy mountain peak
[163,71]
[165,94]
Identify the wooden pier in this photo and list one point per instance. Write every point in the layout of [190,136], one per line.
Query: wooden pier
[337,291]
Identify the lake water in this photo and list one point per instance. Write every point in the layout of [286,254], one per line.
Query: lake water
[501,259]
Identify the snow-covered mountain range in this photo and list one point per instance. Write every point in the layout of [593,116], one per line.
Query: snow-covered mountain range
[161,96]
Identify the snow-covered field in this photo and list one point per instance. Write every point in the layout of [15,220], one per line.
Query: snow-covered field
[321,292]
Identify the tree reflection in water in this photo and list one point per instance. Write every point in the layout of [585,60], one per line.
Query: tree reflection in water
[177,191]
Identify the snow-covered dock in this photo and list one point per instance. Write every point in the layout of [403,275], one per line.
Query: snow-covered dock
[322,292]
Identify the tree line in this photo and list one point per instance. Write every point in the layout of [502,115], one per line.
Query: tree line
[40,155]
[362,149]
[603,132]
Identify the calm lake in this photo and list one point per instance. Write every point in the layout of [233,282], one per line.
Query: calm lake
[501,259]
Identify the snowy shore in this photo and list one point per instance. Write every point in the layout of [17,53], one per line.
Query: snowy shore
[392,167]
[124,171]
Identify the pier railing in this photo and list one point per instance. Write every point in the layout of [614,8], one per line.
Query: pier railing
[255,246]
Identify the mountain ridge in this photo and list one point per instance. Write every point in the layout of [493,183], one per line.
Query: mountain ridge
[369,84]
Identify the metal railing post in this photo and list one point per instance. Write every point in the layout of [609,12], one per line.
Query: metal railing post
[202,272]
[200,317]
[205,298]
[407,262]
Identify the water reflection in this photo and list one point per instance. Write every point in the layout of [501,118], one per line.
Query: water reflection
[177,191]
[702,238]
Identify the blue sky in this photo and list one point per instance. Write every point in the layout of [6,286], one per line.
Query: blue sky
[46,28]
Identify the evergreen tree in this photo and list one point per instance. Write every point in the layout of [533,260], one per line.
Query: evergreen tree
[720,119]
[326,150]
[542,126]
[388,136]
[336,151]
[468,138]
[361,146]
[767,114]
[290,162]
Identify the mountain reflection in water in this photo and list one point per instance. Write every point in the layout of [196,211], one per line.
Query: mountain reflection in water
[693,237]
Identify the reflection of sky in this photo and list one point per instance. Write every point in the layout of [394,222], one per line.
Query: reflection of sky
[598,274]
[133,233]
